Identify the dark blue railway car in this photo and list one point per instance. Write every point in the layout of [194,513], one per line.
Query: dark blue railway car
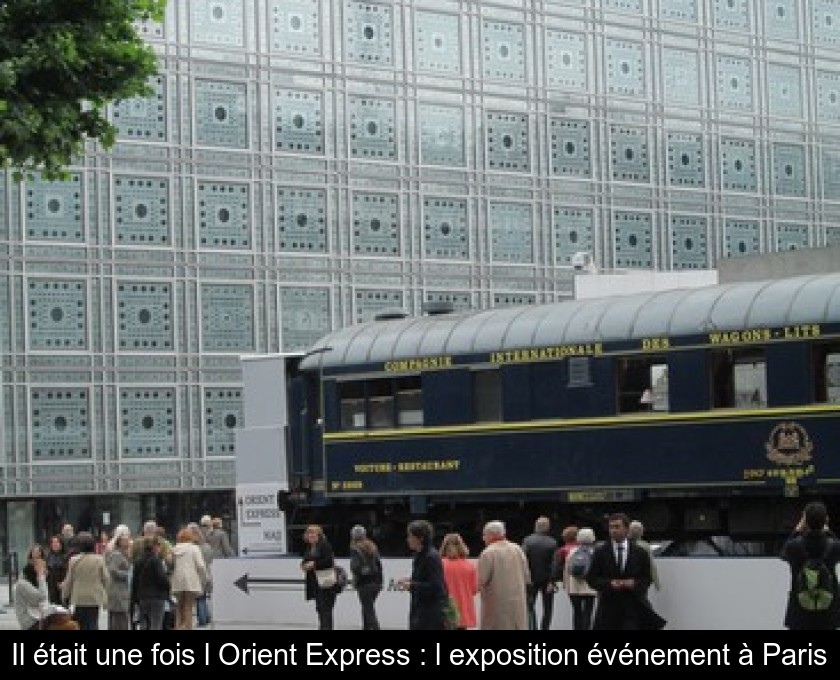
[704,411]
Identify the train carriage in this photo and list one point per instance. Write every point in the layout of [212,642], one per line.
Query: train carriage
[703,411]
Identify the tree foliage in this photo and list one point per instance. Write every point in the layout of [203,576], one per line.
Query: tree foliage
[62,62]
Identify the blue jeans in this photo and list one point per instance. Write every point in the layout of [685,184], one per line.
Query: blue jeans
[202,610]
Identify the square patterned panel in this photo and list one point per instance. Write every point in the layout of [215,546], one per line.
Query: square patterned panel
[785,90]
[57,314]
[461,302]
[369,303]
[60,423]
[789,170]
[792,237]
[633,238]
[566,59]
[689,242]
[224,215]
[734,83]
[738,164]
[832,236]
[574,231]
[147,422]
[369,33]
[141,211]
[376,224]
[437,42]
[732,14]
[629,153]
[571,145]
[781,19]
[442,135]
[511,229]
[227,317]
[831,174]
[503,50]
[221,113]
[686,162]
[742,237]
[223,415]
[625,5]
[305,316]
[507,141]
[302,219]
[513,299]
[54,210]
[295,26]
[373,133]
[625,67]
[825,19]
[145,316]
[143,118]
[828,96]
[681,10]
[445,228]
[298,121]
[682,79]
[217,22]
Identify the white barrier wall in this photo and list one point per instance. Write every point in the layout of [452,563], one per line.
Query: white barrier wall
[698,593]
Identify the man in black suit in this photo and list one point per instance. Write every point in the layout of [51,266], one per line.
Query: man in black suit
[621,573]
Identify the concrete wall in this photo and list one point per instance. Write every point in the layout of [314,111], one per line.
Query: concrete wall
[779,265]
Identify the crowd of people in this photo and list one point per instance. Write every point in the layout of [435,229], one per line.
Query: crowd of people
[143,581]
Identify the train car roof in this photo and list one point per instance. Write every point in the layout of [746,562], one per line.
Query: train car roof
[810,299]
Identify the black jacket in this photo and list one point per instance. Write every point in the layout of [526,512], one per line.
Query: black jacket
[428,591]
[796,551]
[322,554]
[540,549]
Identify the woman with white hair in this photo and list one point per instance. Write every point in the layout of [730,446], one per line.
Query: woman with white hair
[118,562]
[581,594]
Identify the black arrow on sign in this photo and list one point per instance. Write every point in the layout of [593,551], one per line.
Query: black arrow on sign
[244,581]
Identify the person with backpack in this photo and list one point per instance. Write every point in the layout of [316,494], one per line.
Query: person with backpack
[366,568]
[812,553]
[581,594]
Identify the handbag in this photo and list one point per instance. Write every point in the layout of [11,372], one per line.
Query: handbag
[325,577]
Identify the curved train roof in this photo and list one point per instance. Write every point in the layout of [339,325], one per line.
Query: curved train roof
[685,311]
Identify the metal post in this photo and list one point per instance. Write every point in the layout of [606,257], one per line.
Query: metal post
[13,575]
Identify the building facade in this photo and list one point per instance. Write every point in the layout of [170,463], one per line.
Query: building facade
[306,164]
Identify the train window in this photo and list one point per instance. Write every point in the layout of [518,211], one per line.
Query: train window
[352,397]
[739,378]
[827,373]
[487,396]
[642,384]
[409,402]
[381,403]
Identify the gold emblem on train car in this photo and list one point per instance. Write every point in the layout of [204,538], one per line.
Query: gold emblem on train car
[789,444]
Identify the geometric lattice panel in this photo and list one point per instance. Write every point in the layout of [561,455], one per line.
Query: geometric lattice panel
[60,423]
[625,67]
[789,170]
[831,174]
[298,121]
[507,141]
[227,318]
[503,50]
[738,165]
[296,26]
[566,59]
[683,10]
[143,117]
[302,219]
[461,302]
[224,215]
[570,147]
[305,316]
[625,5]
[223,415]
[825,18]
[686,166]
[633,234]
[785,90]
[57,314]
[629,154]
[689,242]
[217,22]
[743,237]
[832,236]
[221,113]
[511,226]
[368,303]
[513,299]
[437,42]
[732,14]
[141,207]
[372,128]
[682,78]
[734,83]
[54,210]
[781,20]
[147,422]
[376,224]
[573,230]
[445,228]
[145,316]
[828,96]
[792,237]
[442,135]
[368,33]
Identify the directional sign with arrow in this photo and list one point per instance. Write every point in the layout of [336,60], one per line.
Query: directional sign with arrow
[246,582]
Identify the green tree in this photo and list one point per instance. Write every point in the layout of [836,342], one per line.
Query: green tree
[61,63]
